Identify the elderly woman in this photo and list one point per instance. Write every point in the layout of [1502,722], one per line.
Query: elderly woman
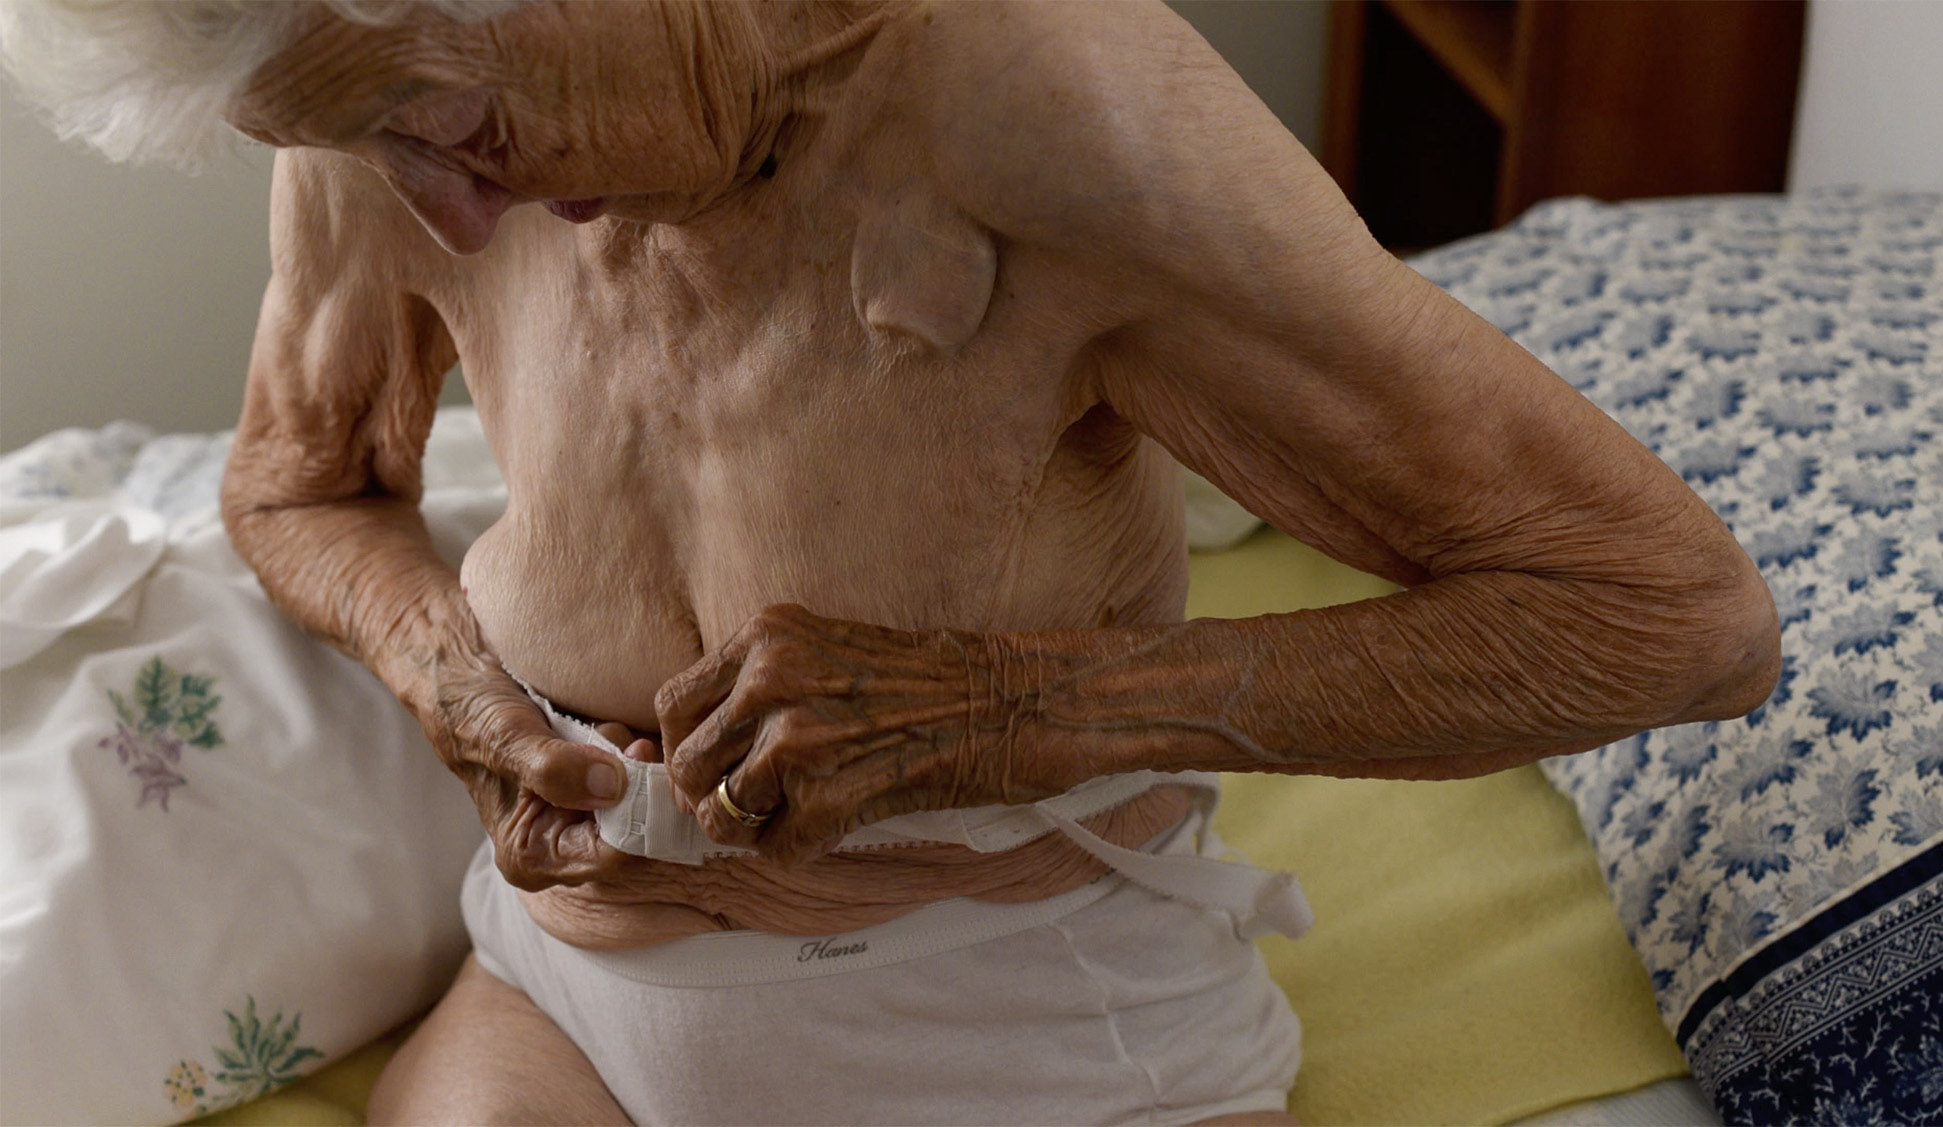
[834,370]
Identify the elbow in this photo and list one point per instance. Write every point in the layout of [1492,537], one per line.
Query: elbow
[243,505]
[255,494]
[1731,651]
[237,506]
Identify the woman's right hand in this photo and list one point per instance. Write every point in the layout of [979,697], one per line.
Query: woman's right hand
[321,498]
[535,791]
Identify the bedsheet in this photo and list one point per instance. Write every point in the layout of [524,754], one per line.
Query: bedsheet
[1781,874]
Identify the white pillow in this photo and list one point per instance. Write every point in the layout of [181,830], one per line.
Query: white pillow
[227,854]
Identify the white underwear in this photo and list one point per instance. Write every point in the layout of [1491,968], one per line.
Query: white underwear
[1106,1004]
[648,823]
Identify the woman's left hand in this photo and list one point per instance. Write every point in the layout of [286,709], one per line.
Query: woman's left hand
[821,726]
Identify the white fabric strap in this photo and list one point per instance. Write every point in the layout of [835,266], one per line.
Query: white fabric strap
[1259,900]
[647,822]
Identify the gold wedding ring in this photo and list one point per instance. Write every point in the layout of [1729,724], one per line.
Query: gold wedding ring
[752,821]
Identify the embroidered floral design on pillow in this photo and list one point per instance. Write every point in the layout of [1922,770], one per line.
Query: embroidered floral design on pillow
[259,1059]
[187,1085]
[163,713]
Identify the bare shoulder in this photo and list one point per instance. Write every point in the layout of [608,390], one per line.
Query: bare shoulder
[329,214]
[1098,123]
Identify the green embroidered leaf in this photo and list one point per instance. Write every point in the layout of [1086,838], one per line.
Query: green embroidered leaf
[286,1058]
[191,731]
[297,1056]
[169,709]
[155,692]
[192,711]
[265,1057]
[266,1048]
[252,1028]
[278,1043]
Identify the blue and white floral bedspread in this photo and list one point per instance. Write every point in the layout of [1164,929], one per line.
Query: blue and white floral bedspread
[1779,875]
[174,475]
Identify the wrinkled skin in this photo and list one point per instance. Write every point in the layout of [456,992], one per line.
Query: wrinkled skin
[820,319]
[834,389]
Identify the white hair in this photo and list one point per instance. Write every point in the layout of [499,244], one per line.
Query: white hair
[149,81]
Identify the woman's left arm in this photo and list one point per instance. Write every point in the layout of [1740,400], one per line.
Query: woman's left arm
[1563,587]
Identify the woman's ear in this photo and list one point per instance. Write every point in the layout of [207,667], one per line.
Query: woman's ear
[441,117]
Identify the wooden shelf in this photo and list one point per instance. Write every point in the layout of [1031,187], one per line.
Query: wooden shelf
[1472,38]
[1450,117]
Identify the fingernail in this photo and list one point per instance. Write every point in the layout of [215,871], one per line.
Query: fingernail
[604,781]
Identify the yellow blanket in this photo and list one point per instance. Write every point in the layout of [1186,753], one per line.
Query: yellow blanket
[1466,966]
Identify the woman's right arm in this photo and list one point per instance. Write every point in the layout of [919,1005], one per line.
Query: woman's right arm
[321,499]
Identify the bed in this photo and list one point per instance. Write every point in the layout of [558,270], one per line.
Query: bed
[200,915]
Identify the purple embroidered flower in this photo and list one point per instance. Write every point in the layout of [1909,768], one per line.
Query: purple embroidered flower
[168,710]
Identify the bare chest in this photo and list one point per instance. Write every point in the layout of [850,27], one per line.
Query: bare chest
[690,433]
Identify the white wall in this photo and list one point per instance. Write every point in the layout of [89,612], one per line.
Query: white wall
[1871,103]
[124,292]
[132,293]
[1278,47]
